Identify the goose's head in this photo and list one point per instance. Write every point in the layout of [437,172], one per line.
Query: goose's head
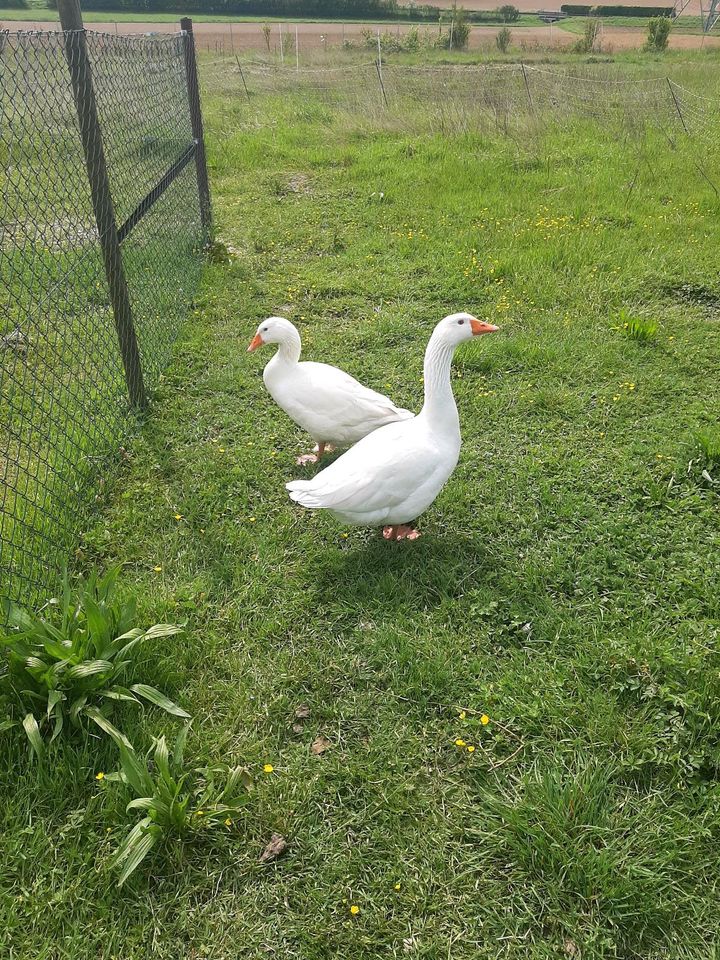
[456,328]
[273,330]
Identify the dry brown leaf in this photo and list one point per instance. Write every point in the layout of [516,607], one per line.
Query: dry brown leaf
[275,849]
[571,948]
[297,728]
[302,712]
[320,745]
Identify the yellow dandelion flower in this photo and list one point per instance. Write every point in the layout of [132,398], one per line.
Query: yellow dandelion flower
[459,743]
[157,569]
[228,822]
[199,813]
[178,516]
[462,714]
[354,909]
[397,886]
[252,519]
[484,719]
[100,776]
[268,768]
[471,748]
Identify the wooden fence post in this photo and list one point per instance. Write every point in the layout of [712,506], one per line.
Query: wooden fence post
[76,54]
[197,125]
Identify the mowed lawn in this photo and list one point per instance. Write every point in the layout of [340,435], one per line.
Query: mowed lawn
[567,584]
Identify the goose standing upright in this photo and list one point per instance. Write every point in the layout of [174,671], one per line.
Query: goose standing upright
[331,405]
[391,476]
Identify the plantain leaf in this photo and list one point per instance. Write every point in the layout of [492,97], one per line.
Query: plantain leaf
[138,636]
[98,625]
[102,721]
[33,734]
[162,760]
[179,748]
[54,697]
[238,780]
[159,699]
[161,630]
[89,668]
[136,771]
[136,846]
[75,709]
[59,721]
[117,693]
[140,803]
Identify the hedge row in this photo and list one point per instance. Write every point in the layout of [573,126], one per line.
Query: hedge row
[330,9]
[585,10]
[335,9]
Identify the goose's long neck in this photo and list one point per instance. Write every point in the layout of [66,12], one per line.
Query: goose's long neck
[439,407]
[288,352]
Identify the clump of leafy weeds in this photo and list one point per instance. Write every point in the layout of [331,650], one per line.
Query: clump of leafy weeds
[71,660]
[177,802]
[642,329]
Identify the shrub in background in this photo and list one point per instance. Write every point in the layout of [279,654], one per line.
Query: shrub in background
[502,39]
[586,44]
[658,34]
[457,34]
[508,13]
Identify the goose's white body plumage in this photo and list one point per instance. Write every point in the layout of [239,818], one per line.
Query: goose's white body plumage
[389,477]
[395,473]
[329,404]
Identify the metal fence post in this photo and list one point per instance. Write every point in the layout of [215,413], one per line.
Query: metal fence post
[677,105]
[78,62]
[197,124]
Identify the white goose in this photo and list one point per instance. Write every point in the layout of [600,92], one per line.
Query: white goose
[331,405]
[393,475]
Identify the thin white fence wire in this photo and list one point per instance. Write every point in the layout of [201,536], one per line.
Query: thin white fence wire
[458,98]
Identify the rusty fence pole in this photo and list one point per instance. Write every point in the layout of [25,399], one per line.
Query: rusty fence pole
[197,125]
[76,54]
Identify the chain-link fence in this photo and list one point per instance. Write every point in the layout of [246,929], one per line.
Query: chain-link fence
[102,225]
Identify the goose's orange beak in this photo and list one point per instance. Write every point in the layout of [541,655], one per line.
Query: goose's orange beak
[479,326]
[257,341]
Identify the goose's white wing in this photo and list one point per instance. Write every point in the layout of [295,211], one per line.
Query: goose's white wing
[334,406]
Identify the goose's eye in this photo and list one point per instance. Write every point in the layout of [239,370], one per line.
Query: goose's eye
[460,322]
[264,329]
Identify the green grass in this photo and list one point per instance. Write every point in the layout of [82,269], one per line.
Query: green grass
[682,24]
[567,583]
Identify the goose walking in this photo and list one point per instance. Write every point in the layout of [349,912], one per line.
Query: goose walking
[329,404]
[391,476]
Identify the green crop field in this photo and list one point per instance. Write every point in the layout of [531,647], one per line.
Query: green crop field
[500,741]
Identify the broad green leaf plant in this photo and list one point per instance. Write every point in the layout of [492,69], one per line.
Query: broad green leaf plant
[176,802]
[71,661]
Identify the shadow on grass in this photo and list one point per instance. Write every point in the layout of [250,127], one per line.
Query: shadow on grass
[399,577]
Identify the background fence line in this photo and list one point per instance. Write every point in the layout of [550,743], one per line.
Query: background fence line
[466,96]
[103,223]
